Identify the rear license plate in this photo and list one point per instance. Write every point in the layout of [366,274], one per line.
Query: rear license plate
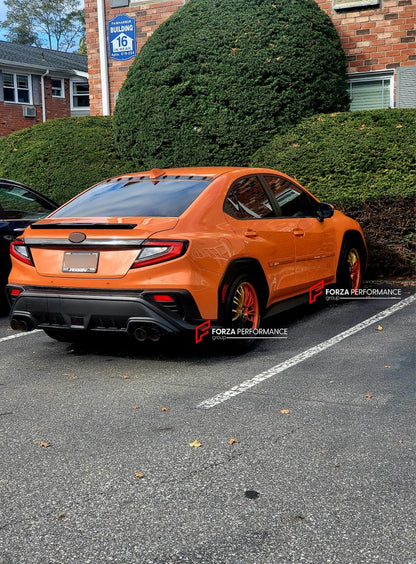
[80,262]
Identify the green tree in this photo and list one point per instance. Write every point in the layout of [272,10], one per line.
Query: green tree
[220,77]
[53,24]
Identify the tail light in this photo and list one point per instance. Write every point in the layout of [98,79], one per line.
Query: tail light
[154,252]
[163,298]
[19,250]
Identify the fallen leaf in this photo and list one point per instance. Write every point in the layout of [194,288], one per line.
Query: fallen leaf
[60,516]
[298,518]
[285,411]
[368,396]
[195,444]
[138,475]
[71,377]
[164,409]
[44,444]
[379,328]
[232,442]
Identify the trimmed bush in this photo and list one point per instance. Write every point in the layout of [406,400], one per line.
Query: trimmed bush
[349,158]
[62,157]
[219,77]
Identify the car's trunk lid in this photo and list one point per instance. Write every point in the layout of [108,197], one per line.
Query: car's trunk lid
[91,247]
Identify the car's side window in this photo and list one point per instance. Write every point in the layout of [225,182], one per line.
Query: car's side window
[247,199]
[292,201]
[18,203]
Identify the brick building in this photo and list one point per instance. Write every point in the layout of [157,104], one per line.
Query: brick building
[378,36]
[40,84]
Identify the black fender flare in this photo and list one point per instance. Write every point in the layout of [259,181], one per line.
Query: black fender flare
[254,271]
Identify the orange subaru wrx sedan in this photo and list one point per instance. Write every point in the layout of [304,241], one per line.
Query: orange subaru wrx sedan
[164,251]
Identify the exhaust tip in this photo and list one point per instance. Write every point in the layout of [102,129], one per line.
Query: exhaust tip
[20,325]
[154,335]
[140,334]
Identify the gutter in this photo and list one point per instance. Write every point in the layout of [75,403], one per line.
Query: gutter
[42,82]
[102,45]
[80,73]
[34,69]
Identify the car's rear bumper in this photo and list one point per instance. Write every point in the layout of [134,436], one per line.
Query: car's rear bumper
[89,311]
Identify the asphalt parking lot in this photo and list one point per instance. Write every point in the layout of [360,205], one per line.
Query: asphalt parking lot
[300,450]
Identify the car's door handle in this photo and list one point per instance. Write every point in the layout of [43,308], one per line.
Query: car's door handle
[250,233]
[298,232]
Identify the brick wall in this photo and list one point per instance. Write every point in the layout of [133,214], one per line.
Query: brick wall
[376,38]
[57,107]
[373,38]
[11,118]
[11,115]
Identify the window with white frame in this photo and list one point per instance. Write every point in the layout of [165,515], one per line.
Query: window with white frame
[17,88]
[371,91]
[58,90]
[80,95]
[350,4]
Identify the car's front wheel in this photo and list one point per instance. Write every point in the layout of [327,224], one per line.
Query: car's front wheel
[350,266]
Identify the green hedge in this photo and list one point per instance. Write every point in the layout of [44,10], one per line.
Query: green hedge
[62,157]
[349,158]
[219,77]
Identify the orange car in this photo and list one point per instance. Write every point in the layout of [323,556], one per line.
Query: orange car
[165,251]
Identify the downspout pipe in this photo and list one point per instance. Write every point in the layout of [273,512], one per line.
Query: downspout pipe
[102,42]
[42,85]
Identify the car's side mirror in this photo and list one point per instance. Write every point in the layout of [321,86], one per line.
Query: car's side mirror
[324,211]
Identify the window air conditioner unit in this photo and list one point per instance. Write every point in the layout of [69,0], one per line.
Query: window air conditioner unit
[29,111]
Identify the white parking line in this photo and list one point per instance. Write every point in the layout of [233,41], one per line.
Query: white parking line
[247,384]
[25,334]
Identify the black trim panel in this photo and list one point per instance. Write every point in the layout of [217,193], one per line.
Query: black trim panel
[83,225]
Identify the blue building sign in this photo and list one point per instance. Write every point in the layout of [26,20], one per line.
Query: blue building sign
[122,38]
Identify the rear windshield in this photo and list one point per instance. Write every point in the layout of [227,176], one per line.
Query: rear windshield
[168,197]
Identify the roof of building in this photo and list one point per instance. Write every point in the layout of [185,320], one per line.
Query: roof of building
[38,58]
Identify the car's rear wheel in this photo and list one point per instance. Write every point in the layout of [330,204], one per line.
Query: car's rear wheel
[350,266]
[242,309]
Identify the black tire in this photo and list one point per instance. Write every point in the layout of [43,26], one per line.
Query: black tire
[350,266]
[241,311]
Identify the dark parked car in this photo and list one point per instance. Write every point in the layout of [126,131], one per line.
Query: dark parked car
[19,206]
